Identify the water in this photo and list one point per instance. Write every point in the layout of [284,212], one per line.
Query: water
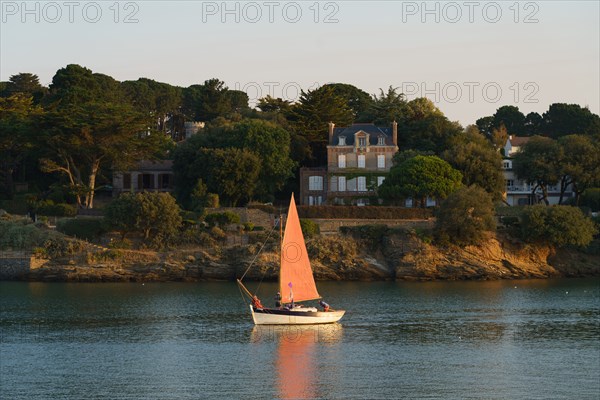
[464,340]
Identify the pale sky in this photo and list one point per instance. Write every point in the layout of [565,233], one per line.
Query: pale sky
[469,57]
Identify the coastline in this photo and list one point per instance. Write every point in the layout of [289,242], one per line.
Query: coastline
[334,258]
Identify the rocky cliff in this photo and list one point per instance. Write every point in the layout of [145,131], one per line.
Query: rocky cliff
[400,257]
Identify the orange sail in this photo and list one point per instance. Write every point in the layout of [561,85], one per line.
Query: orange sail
[296,278]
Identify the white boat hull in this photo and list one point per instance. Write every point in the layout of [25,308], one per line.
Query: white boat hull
[270,316]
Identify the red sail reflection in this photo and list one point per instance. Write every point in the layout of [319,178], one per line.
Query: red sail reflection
[296,362]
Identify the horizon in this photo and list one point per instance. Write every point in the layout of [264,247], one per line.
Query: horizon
[449,52]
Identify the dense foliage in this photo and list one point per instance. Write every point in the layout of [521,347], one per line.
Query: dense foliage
[557,225]
[464,216]
[420,177]
[155,215]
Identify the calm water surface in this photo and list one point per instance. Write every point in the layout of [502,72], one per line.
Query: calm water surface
[468,340]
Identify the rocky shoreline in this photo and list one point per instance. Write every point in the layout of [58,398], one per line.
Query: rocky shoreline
[334,258]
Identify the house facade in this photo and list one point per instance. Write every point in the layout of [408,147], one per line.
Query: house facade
[156,176]
[358,159]
[518,192]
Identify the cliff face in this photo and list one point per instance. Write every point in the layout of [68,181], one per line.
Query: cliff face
[400,257]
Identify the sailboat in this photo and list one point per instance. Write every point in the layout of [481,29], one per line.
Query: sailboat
[296,283]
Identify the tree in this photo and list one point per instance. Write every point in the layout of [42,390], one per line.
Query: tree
[580,166]
[159,100]
[155,215]
[557,225]
[499,137]
[511,118]
[359,101]
[420,177]
[388,106]
[270,104]
[266,140]
[311,115]
[533,124]
[75,85]
[464,216]
[485,125]
[210,100]
[121,214]
[83,140]
[426,128]
[591,198]
[538,162]
[17,129]
[566,119]
[229,172]
[27,84]
[158,216]
[478,162]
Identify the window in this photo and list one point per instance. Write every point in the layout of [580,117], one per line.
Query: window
[342,141]
[342,161]
[341,183]
[361,161]
[362,184]
[506,164]
[315,183]
[126,181]
[164,181]
[315,200]
[380,180]
[145,181]
[381,141]
[510,183]
[362,142]
[381,161]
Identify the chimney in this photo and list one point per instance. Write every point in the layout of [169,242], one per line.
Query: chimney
[331,126]
[395,133]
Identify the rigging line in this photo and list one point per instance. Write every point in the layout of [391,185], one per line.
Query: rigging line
[242,294]
[257,254]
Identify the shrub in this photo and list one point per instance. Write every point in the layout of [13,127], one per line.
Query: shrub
[222,219]
[155,215]
[217,233]
[591,198]
[248,226]
[212,200]
[124,244]
[48,208]
[309,228]
[557,225]
[83,228]
[464,216]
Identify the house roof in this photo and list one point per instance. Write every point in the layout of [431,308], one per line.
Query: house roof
[519,140]
[161,165]
[374,133]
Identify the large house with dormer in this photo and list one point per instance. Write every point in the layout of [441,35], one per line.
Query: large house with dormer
[359,157]
[519,192]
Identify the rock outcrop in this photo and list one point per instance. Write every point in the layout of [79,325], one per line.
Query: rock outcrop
[400,257]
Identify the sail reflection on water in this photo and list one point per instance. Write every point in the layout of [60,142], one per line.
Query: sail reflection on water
[295,361]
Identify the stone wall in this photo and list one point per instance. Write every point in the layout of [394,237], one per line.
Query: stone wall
[329,226]
[14,264]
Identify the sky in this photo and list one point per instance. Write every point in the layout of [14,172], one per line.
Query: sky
[468,57]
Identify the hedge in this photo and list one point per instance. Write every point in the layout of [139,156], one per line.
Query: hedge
[82,228]
[366,212]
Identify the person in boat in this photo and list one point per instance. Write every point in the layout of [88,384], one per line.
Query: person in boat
[278,300]
[324,305]
[256,303]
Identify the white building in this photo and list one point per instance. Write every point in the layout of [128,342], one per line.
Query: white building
[519,192]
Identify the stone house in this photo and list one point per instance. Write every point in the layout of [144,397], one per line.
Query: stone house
[359,157]
[154,176]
